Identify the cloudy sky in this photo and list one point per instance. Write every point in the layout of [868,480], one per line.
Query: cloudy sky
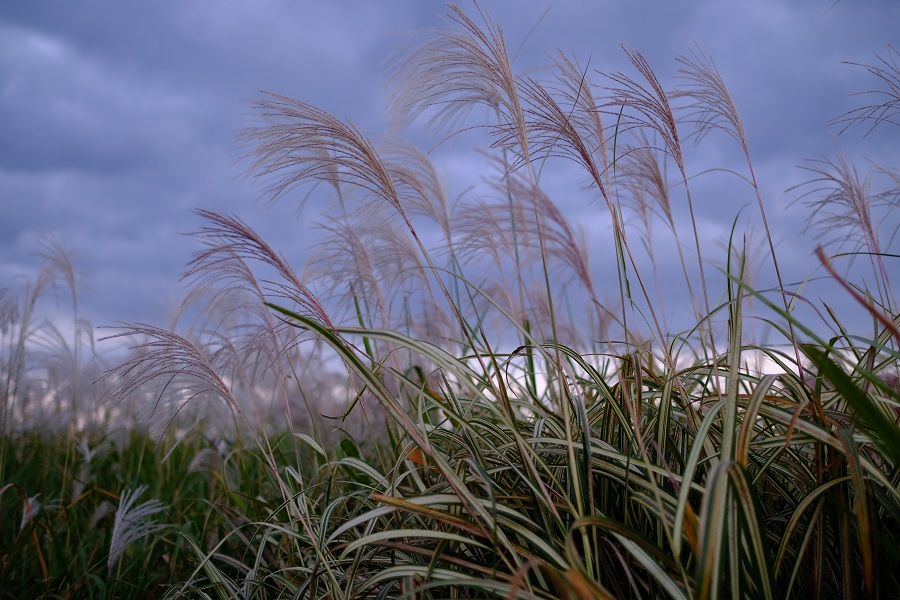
[118,118]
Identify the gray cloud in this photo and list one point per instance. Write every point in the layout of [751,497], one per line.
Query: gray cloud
[118,118]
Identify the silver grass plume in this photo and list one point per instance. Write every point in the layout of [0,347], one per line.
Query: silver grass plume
[132,522]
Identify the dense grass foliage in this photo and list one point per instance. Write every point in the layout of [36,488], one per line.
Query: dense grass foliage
[463,410]
[66,533]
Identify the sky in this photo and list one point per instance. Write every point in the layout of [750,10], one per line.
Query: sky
[119,118]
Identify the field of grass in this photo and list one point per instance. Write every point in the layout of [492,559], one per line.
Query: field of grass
[77,535]
[446,403]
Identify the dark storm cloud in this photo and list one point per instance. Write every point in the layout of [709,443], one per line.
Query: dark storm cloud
[119,118]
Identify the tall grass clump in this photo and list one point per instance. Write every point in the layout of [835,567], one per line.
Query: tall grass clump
[511,424]
[48,357]
[523,429]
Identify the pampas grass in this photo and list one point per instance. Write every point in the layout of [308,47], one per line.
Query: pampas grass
[471,410]
[132,522]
